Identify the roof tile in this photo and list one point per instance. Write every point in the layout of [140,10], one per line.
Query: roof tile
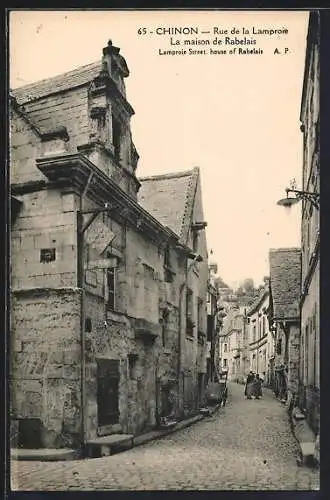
[166,197]
[65,81]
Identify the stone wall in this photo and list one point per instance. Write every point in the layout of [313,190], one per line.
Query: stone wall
[310,351]
[141,294]
[46,221]
[195,351]
[45,362]
[293,359]
[46,315]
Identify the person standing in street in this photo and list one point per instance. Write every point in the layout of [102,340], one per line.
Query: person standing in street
[257,387]
[249,385]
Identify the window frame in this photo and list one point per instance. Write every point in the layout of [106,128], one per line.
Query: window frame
[189,313]
[111,304]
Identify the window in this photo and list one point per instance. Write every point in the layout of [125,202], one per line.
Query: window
[210,327]
[47,255]
[111,285]
[279,346]
[254,333]
[116,137]
[225,363]
[168,272]
[200,314]
[189,313]
[88,325]
[132,359]
[225,348]
[164,324]
[167,261]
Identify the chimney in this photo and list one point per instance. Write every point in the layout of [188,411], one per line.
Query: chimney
[115,62]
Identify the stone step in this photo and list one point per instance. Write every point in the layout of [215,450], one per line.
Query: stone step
[108,445]
[297,414]
[44,454]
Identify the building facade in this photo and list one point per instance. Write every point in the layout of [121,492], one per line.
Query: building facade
[233,344]
[99,284]
[184,214]
[213,327]
[309,383]
[284,317]
[259,337]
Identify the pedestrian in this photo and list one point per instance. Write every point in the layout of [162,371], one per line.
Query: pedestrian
[249,385]
[225,395]
[257,384]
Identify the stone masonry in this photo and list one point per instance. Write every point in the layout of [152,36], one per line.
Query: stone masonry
[72,151]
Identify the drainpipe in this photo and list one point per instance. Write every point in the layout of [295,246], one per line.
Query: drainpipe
[196,258]
[81,229]
[80,285]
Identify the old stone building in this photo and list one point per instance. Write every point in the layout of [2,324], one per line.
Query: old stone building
[233,343]
[309,390]
[184,215]
[214,323]
[284,317]
[108,298]
[259,349]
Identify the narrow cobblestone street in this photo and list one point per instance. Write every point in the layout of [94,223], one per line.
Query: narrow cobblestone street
[246,445]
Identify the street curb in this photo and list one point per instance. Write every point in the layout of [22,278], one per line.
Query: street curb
[59,455]
[305,439]
[45,455]
[158,434]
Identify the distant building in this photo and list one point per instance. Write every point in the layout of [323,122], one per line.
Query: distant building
[213,327]
[309,383]
[233,348]
[260,343]
[284,317]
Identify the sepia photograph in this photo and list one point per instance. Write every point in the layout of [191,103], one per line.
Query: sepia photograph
[164,197]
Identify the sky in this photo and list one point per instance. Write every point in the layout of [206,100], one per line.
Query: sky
[235,116]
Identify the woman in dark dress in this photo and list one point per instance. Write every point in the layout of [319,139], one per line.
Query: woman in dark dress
[249,385]
[257,390]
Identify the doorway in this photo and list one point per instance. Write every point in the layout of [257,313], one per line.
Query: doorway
[107,392]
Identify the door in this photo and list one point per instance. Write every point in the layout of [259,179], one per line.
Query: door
[108,391]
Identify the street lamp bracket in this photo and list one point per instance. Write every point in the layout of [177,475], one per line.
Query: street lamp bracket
[312,197]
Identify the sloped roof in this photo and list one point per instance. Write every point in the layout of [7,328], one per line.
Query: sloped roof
[58,83]
[169,198]
[257,301]
[285,282]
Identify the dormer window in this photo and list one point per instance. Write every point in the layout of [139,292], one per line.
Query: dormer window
[195,228]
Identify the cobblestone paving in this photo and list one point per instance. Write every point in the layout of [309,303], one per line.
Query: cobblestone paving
[248,445]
